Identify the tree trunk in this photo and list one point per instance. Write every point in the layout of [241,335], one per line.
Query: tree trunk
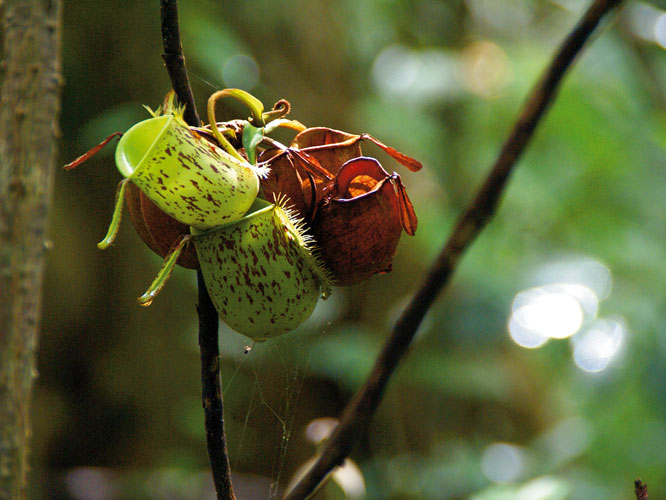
[29,104]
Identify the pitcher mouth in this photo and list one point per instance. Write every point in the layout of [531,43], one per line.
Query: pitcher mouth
[258,206]
[138,141]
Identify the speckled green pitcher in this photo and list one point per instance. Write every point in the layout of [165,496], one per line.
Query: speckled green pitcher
[188,177]
[259,271]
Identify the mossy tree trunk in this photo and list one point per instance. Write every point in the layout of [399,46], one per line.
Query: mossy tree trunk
[29,103]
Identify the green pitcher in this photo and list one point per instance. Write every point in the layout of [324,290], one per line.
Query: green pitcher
[188,177]
[260,271]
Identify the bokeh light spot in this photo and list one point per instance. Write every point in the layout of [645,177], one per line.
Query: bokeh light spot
[524,336]
[350,480]
[567,300]
[646,21]
[485,69]
[241,71]
[503,462]
[417,75]
[568,439]
[660,30]
[597,345]
[503,17]
[319,429]
[578,270]
[90,483]
[545,313]
[544,488]
[395,69]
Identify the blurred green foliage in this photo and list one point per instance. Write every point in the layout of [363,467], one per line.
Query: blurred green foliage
[117,412]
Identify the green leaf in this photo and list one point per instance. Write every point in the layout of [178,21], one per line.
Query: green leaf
[252,136]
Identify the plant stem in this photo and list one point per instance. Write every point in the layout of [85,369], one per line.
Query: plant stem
[208,320]
[175,60]
[212,394]
[356,416]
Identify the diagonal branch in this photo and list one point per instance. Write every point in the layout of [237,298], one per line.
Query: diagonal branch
[356,416]
[208,321]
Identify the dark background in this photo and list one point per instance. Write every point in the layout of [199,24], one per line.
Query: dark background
[470,413]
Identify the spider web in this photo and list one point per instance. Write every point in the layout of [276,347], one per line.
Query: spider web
[277,369]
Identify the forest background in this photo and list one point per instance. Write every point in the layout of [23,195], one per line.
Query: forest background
[579,242]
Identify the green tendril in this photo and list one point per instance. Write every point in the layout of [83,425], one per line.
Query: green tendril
[224,143]
[164,273]
[115,219]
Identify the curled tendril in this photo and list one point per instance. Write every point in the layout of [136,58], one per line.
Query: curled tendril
[280,109]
